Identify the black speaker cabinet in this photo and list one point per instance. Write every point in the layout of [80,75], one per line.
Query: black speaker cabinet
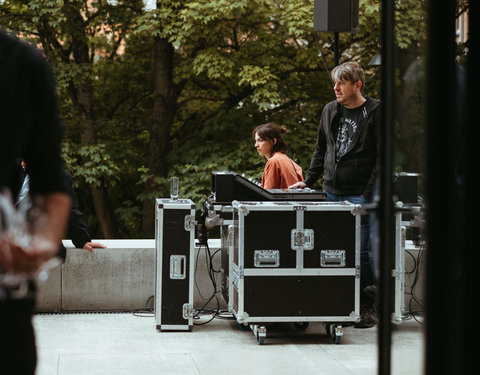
[335,15]
[405,187]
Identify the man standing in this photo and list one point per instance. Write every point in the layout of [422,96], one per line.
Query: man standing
[30,127]
[346,154]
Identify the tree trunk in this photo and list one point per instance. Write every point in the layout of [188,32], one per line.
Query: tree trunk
[164,108]
[103,211]
[84,94]
[83,98]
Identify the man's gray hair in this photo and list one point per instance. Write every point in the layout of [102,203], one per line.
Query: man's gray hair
[349,71]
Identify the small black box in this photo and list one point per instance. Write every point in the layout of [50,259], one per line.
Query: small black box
[336,15]
[405,187]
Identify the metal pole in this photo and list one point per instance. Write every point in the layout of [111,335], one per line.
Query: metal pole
[471,270]
[385,207]
[335,46]
[442,249]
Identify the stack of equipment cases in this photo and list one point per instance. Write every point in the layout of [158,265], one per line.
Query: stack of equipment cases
[295,262]
[174,254]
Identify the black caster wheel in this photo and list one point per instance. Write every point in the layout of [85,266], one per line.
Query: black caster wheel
[337,333]
[327,330]
[243,327]
[337,339]
[301,326]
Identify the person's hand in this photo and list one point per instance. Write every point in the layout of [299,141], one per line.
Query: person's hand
[26,259]
[92,245]
[298,185]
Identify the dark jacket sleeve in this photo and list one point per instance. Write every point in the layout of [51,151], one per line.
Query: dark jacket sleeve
[317,163]
[367,193]
[77,226]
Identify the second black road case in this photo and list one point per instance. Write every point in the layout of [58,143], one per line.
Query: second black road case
[174,254]
[295,262]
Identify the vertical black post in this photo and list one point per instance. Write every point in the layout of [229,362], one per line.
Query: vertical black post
[385,204]
[444,251]
[470,353]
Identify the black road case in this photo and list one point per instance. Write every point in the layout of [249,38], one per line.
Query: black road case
[174,254]
[295,262]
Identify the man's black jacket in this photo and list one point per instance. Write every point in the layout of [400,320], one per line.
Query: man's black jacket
[77,229]
[354,173]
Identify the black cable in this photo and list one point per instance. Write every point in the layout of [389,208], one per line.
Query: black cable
[414,263]
[195,275]
[413,297]
[147,311]
[214,312]
[212,276]
[323,58]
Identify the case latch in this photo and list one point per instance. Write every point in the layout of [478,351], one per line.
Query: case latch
[302,239]
[190,222]
[187,311]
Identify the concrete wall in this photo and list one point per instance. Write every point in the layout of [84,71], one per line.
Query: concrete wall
[120,277]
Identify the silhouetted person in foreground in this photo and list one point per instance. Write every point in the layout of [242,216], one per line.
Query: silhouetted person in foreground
[30,127]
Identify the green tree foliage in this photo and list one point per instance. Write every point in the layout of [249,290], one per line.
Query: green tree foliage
[82,41]
[234,65]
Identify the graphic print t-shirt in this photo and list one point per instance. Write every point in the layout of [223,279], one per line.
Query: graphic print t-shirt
[348,127]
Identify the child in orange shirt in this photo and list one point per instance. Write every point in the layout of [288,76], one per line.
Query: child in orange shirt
[280,171]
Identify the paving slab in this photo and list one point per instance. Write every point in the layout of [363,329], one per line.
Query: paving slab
[129,344]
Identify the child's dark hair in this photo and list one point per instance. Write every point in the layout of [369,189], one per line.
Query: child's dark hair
[269,132]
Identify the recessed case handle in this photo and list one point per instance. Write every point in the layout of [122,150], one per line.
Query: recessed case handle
[178,267]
